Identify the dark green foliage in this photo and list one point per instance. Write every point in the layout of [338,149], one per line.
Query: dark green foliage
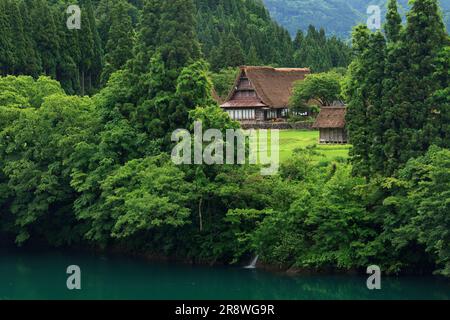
[44,45]
[228,54]
[7,56]
[393,114]
[363,90]
[32,64]
[177,34]
[97,171]
[120,40]
[44,31]
[421,195]
[18,36]
[229,29]
[83,60]
[317,52]
[393,23]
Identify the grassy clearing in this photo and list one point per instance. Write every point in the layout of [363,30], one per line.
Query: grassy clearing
[293,139]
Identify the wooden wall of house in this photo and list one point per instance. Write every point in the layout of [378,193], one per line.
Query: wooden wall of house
[259,115]
[241,114]
[333,135]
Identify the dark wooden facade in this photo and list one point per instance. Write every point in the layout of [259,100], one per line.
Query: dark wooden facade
[262,94]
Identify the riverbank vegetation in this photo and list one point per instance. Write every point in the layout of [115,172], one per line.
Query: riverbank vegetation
[96,171]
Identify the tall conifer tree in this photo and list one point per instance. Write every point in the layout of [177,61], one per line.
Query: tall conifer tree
[7,55]
[45,35]
[411,83]
[33,65]
[393,23]
[120,40]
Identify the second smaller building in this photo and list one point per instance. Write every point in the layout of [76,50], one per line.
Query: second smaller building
[332,126]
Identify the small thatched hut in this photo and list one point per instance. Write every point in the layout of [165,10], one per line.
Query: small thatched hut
[332,126]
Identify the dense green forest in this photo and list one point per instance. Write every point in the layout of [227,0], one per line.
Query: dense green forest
[337,17]
[35,40]
[95,171]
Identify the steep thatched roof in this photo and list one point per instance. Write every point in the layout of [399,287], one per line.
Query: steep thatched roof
[273,86]
[331,117]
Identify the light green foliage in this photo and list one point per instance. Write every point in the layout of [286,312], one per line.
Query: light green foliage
[36,144]
[139,196]
[322,88]
[25,92]
[422,195]
[325,224]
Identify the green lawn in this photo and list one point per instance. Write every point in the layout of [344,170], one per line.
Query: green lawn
[292,139]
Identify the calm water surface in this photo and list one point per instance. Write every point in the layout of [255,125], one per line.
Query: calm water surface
[42,275]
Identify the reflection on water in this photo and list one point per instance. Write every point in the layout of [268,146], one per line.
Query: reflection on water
[42,275]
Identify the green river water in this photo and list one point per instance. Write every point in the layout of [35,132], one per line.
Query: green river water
[42,275]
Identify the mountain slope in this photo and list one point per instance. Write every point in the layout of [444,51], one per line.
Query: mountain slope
[336,16]
[234,32]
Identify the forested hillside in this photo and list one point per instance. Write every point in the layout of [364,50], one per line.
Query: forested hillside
[96,171]
[35,40]
[335,16]
[236,32]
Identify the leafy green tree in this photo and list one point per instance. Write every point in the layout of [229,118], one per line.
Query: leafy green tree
[315,51]
[26,92]
[69,53]
[86,45]
[193,90]
[417,195]
[366,112]
[298,41]
[142,195]
[374,65]
[439,120]
[339,207]
[324,88]
[35,147]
